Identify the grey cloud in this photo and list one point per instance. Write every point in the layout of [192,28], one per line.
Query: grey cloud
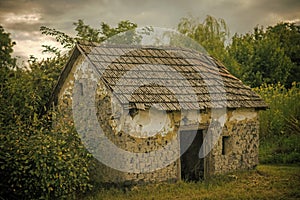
[241,16]
[25,27]
[15,6]
[238,14]
[279,5]
[33,36]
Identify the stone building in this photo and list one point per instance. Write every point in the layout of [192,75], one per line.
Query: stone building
[175,113]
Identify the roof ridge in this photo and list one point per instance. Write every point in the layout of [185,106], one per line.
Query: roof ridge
[154,47]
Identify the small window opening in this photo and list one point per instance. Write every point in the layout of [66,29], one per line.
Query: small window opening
[225,145]
[81,88]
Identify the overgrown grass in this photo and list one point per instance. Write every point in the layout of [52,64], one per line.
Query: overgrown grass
[265,182]
[280,149]
[280,124]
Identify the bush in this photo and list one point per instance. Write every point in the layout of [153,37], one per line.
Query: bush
[279,125]
[38,162]
[283,114]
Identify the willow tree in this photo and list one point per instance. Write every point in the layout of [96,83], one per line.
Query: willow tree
[212,34]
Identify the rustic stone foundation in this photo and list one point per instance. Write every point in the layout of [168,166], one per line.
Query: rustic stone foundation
[144,130]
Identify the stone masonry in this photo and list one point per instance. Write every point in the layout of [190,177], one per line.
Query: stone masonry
[236,148]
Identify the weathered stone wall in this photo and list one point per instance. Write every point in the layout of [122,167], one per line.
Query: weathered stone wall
[127,131]
[241,133]
[151,130]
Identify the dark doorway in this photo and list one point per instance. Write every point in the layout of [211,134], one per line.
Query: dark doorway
[192,167]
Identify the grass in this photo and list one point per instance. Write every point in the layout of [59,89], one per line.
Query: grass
[284,149]
[265,182]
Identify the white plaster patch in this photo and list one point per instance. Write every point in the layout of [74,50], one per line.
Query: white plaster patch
[147,123]
[222,119]
[242,114]
[191,117]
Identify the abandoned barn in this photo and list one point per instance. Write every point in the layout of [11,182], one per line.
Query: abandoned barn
[148,99]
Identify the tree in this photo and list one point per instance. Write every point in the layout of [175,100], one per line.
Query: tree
[264,56]
[7,63]
[6,49]
[212,34]
[37,162]
[87,33]
[288,35]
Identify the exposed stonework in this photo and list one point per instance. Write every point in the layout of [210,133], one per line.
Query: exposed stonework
[115,126]
[142,129]
[241,133]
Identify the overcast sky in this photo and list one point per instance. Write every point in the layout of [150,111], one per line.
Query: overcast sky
[22,18]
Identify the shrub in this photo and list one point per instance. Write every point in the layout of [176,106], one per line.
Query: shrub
[38,162]
[283,114]
[279,125]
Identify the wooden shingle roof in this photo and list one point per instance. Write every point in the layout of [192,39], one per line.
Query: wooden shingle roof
[168,78]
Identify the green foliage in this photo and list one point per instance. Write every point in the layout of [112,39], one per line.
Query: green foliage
[212,35]
[288,35]
[85,32]
[39,162]
[279,125]
[284,106]
[266,56]
[26,90]
[7,64]
[280,150]
[65,40]
[6,48]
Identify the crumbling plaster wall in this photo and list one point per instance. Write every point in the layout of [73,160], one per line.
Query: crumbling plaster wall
[127,132]
[150,130]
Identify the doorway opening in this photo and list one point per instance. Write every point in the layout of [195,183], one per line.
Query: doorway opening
[192,167]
